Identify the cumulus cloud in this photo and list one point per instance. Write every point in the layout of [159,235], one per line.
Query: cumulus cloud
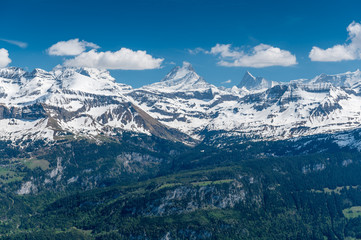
[14,42]
[224,50]
[350,50]
[71,47]
[4,57]
[260,56]
[125,59]
[335,54]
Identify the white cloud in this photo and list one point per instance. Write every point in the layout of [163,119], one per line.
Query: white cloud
[346,51]
[71,47]
[14,42]
[125,59]
[260,56]
[228,81]
[335,54]
[197,50]
[4,57]
[225,51]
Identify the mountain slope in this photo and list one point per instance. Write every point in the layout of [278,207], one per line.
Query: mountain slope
[259,110]
[70,102]
[180,100]
[115,170]
[86,102]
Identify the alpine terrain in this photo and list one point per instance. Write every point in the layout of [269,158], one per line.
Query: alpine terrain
[85,157]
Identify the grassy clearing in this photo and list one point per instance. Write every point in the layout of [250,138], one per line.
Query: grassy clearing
[168,185]
[336,190]
[206,183]
[7,175]
[202,177]
[352,212]
[196,184]
[34,163]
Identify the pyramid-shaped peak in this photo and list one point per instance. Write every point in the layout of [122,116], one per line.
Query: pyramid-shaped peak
[182,78]
[248,77]
[248,80]
[180,72]
[253,83]
[248,74]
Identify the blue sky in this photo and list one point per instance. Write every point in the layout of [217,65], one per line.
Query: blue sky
[168,29]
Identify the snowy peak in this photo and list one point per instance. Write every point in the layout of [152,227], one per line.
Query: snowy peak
[94,73]
[89,80]
[39,74]
[181,79]
[348,79]
[11,72]
[18,87]
[100,74]
[247,80]
[180,72]
[254,83]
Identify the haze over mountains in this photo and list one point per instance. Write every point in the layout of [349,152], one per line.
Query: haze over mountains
[87,102]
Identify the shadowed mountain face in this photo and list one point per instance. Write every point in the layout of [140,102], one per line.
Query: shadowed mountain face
[254,83]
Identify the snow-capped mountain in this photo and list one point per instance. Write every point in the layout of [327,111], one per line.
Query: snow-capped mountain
[181,79]
[69,102]
[255,83]
[181,100]
[348,79]
[257,108]
[287,111]
[87,102]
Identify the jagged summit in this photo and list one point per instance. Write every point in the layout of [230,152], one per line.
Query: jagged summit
[11,72]
[347,79]
[179,72]
[181,79]
[254,83]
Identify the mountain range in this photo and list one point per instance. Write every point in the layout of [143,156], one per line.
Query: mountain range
[85,102]
[86,157]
